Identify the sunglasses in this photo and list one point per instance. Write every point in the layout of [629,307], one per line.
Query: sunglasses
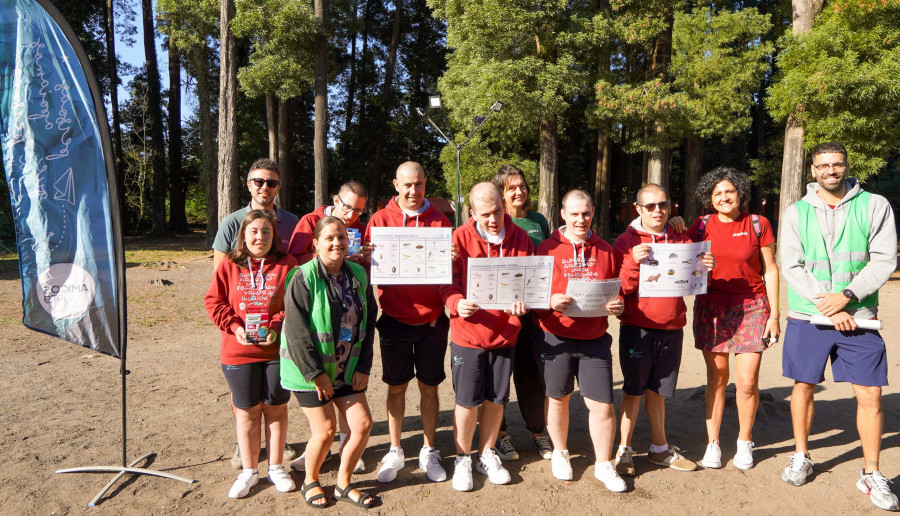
[259,182]
[652,206]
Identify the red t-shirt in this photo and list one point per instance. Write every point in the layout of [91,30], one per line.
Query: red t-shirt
[738,271]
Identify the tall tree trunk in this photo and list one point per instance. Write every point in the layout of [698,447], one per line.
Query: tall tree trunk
[111,63]
[659,166]
[387,94]
[547,202]
[601,183]
[320,139]
[177,217]
[272,125]
[154,99]
[205,101]
[228,159]
[285,163]
[691,174]
[362,109]
[792,169]
[351,87]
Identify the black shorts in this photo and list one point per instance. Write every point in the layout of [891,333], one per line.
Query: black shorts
[481,374]
[561,360]
[255,383]
[311,399]
[409,351]
[650,359]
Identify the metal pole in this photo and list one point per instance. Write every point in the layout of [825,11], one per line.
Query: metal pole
[456,202]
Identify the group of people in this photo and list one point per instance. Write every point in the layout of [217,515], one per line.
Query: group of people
[298,314]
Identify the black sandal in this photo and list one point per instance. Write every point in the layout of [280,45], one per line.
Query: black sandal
[309,501]
[343,495]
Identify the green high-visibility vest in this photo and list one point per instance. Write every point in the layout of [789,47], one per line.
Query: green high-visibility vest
[321,328]
[848,257]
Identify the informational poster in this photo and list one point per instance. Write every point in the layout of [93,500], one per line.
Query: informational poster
[674,270]
[497,283]
[589,298]
[411,256]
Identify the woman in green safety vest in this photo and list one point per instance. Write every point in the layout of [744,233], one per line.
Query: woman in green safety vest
[326,355]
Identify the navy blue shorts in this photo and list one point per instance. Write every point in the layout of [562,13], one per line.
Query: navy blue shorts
[561,360]
[409,351]
[650,359]
[255,383]
[480,374]
[856,356]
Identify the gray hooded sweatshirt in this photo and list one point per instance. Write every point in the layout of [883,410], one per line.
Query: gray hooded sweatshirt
[882,246]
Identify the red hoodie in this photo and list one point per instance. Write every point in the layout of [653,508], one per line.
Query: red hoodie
[301,241]
[485,329]
[592,259]
[409,304]
[658,313]
[229,294]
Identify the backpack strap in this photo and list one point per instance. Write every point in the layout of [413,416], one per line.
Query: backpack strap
[757,226]
[701,229]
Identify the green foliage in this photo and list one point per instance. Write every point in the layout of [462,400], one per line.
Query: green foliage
[841,81]
[478,164]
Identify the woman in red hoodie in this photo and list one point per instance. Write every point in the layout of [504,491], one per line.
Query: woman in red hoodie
[578,348]
[246,301]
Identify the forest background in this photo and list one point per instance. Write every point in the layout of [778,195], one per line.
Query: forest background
[603,95]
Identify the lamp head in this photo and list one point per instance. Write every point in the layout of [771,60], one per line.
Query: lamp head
[434,102]
[497,106]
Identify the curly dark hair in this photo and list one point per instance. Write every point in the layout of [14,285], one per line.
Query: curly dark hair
[708,183]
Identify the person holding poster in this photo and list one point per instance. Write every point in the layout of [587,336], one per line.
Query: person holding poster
[349,204]
[529,385]
[578,348]
[483,341]
[839,247]
[739,312]
[651,334]
[326,356]
[412,330]
[246,301]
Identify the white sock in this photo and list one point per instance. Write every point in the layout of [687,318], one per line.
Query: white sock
[427,449]
[398,449]
[253,470]
[275,467]
[623,447]
[660,449]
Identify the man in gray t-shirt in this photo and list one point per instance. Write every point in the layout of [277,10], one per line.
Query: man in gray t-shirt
[263,183]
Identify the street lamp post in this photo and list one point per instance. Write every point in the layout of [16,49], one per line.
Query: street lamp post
[434,102]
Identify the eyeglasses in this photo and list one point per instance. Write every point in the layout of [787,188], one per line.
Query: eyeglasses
[348,208]
[259,182]
[837,167]
[652,206]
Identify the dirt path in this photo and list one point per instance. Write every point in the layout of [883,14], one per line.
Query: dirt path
[61,409]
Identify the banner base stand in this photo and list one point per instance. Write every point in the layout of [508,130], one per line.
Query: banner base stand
[120,472]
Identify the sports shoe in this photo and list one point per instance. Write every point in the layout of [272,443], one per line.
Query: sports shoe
[712,459]
[625,461]
[247,479]
[236,461]
[489,464]
[672,459]
[281,479]
[606,473]
[505,449]
[392,462]
[562,468]
[743,458]
[299,464]
[800,468]
[430,463]
[360,466]
[544,445]
[462,473]
[876,486]
[289,452]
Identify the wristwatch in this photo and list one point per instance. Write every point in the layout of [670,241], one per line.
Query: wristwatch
[850,295]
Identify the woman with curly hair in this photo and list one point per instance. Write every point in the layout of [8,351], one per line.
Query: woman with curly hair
[739,313]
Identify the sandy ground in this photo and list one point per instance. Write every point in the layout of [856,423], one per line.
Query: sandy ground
[62,409]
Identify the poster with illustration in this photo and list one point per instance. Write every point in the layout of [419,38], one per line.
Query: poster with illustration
[497,283]
[674,270]
[411,256]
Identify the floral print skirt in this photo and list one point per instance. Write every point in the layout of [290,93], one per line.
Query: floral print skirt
[730,328]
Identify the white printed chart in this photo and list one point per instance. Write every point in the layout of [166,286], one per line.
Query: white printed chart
[674,270]
[497,283]
[411,256]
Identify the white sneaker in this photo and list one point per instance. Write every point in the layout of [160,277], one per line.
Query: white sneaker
[241,488]
[743,458]
[392,462]
[798,471]
[430,463]
[713,457]
[299,464]
[489,464]
[281,479]
[462,473]
[877,487]
[606,473]
[360,466]
[559,462]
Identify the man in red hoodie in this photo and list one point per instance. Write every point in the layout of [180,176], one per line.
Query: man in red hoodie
[412,330]
[349,204]
[483,341]
[650,335]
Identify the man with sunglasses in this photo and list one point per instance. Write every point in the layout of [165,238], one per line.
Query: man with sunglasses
[650,335]
[838,248]
[349,204]
[263,183]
